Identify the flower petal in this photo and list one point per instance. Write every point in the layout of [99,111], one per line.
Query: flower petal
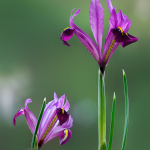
[66,35]
[66,106]
[109,48]
[46,120]
[58,130]
[109,5]
[30,118]
[65,136]
[61,101]
[49,110]
[19,112]
[84,38]
[97,22]
[62,115]
[131,39]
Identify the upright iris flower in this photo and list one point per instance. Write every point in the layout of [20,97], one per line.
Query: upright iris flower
[55,121]
[119,25]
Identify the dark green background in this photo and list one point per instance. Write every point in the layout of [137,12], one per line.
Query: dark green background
[34,63]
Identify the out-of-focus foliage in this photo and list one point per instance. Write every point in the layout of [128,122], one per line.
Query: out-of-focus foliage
[34,63]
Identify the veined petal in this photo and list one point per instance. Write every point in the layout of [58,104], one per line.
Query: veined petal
[66,106]
[84,38]
[61,101]
[58,130]
[97,22]
[50,123]
[109,48]
[119,20]
[47,122]
[65,136]
[109,5]
[49,109]
[30,118]
[55,96]
[19,112]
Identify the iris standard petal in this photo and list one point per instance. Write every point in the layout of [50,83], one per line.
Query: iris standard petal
[19,112]
[123,21]
[61,101]
[66,35]
[65,136]
[66,106]
[109,5]
[97,22]
[84,38]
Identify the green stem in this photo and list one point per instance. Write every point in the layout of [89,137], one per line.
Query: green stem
[101,112]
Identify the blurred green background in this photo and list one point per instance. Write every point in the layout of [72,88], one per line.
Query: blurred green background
[34,63]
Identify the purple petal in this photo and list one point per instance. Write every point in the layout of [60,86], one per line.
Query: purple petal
[65,136]
[30,118]
[66,106]
[97,22]
[68,124]
[84,38]
[66,35]
[19,112]
[109,48]
[123,21]
[46,120]
[55,96]
[109,5]
[131,39]
[62,115]
[48,111]
[58,130]
[61,101]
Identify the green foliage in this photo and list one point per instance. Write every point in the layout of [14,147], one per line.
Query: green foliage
[112,122]
[126,110]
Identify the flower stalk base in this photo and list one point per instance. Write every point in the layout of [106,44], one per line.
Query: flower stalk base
[101,112]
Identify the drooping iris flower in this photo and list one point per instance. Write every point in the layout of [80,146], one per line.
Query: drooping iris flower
[119,25]
[55,121]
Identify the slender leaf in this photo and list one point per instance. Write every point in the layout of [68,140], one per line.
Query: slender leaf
[33,144]
[126,111]
[112,122]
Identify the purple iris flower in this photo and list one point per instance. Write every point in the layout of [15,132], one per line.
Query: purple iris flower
[119,25]
[55,121]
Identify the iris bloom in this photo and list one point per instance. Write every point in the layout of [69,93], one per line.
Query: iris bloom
[119,25]
[55,121]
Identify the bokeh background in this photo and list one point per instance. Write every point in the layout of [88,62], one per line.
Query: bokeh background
[34,63]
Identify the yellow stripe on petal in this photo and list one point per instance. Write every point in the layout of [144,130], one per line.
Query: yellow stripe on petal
[66,29]
[48,129]
[109,50]
[120,30]
[62,111]
[66,134]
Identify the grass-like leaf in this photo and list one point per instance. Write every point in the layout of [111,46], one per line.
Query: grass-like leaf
[112,122]
[126,111]
[33,144]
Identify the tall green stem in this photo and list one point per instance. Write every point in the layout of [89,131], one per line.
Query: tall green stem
[101,112]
